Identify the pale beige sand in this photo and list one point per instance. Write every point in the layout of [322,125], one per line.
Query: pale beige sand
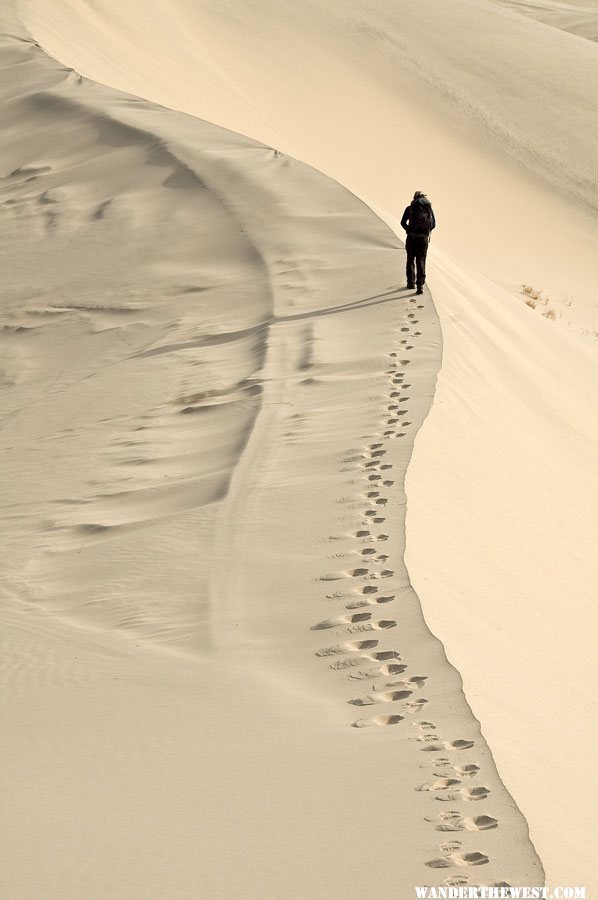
[211,385]
[503,137]
[540,86]
[580,18]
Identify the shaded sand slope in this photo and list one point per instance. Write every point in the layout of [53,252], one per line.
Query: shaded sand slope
[212,384]
[503,137]
[578,18]
[514,564]
[493,114]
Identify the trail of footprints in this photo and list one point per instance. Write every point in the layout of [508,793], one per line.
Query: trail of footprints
[382,674]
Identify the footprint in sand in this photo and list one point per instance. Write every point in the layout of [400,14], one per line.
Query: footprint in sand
[341,620]
[434,744]
[377,720]
[454,821]
[358,660]
[346,647]
[439,784]
[392,669]
[407,684]
[473,858]
[468,794]
[467,771]
[380,625]
[415,706]
[380,697]
[444,765]
[368,601]
[382,655]
[450,846]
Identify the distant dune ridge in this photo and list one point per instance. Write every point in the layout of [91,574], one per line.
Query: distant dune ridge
[218,676]
[580,18]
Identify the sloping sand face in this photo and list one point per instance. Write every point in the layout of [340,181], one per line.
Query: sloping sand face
[494,114]
[217,676]
[580,19]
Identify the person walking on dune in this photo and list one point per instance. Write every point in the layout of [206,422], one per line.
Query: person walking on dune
[418,221]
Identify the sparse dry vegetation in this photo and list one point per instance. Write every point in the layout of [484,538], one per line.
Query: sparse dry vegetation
[533,297]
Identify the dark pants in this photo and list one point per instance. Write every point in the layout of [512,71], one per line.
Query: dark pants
[416,246]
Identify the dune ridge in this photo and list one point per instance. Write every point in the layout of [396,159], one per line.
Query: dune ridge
[505,133]
[580,19]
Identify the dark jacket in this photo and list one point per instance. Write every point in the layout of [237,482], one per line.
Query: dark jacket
[411,212]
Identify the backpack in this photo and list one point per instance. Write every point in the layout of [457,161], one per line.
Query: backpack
[420,217]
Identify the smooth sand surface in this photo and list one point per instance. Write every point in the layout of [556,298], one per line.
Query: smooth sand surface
[501,488]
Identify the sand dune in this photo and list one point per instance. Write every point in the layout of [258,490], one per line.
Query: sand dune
[213,382]
[238,411]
